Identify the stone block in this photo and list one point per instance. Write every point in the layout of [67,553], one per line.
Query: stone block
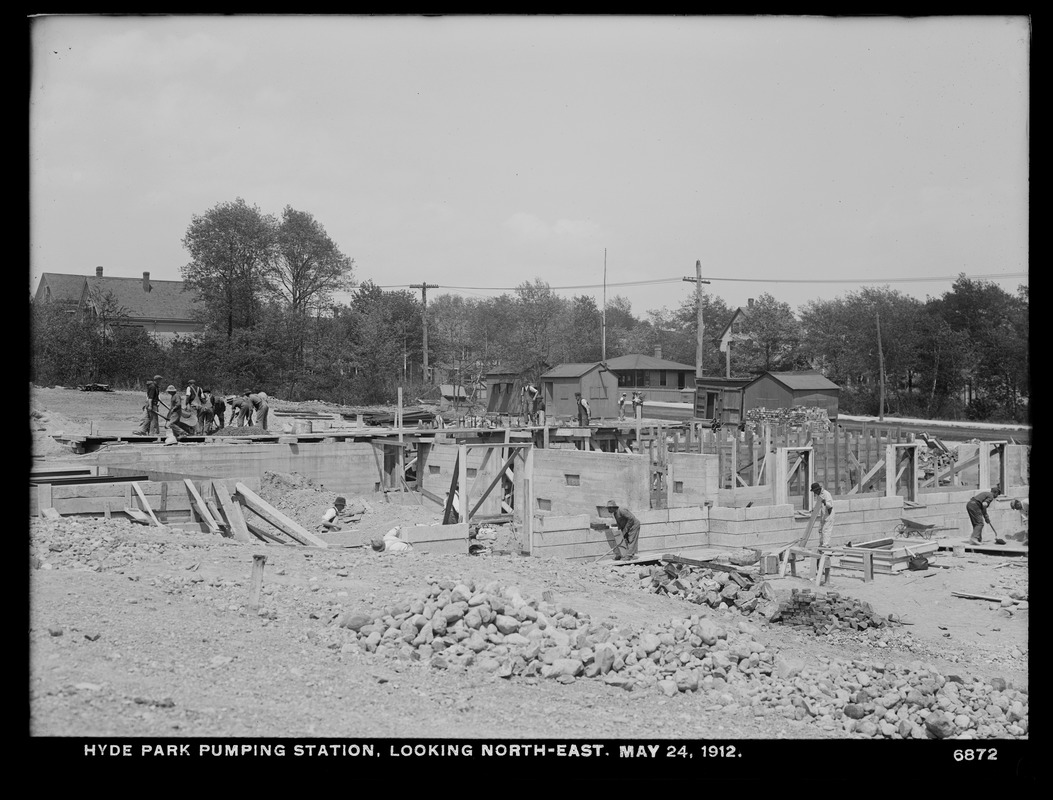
[891,502]
[758,512]
[725,513]
[687,513]
[882,514]
[694,526]
[652,515]
[863,503]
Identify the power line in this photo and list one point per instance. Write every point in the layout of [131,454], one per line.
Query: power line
[656,281]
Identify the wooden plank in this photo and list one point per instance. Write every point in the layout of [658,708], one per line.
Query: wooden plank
[447,514]
[137,516]
[868,567]
[232,511]
[803,542]
[263,535]
[868,478]
[493,483]
[276,518]
[224,528]
[969,596]
[145,503]
[197,503]
[714,565]
[50,513]
[163,511]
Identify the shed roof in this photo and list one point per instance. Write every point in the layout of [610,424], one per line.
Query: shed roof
[802,380]
[639,361]
[570,370]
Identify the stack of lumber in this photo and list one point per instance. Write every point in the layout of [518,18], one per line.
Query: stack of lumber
[824,613]
[889,555]
[813,416]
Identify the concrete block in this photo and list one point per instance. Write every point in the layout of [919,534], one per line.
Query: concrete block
[652,515]
[564,523]
[786,510]
[721,526]
[863,503]
[962,497]
[687,513]
[767,525]
[653,530]
[724,513]
[932,498]
[694,526]
[758,512]
[842,506]
[891,502]
[883,515]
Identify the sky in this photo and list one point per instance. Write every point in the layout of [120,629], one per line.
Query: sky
[805,157]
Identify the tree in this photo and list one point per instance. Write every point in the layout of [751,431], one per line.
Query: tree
[538,309]
[232,249]
[774,336]
[308,266]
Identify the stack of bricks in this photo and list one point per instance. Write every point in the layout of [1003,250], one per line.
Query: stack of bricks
[826,613]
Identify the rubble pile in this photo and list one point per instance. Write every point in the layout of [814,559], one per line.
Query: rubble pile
[813,416]
[825,613]
[496,629]
[714,588]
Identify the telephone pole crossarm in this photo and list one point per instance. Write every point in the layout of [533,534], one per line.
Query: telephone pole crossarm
[699,341]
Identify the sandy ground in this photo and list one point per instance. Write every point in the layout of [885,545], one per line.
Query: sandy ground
[140,631]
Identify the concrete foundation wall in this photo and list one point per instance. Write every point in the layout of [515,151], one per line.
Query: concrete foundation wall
[437,473]
[345,467]
[166,498]
[695,474]
[568,482]
[433,539]
[661,531]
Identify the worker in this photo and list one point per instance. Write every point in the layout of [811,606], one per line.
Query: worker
[637,405]
[530,398]
[331,518]
[977,510]
[244,408]
[192,394]
[629,526]
[391,543]
[1023,507]
[205,415]
[541,411]
[826,514]
[584,412]
[621,407]
[150,425]
[219,411]
[259,405]
[174,405]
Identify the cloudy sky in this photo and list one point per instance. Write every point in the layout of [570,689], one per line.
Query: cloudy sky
[798,156]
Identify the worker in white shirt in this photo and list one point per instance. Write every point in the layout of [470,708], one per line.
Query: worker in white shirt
[391,543]
[826,514]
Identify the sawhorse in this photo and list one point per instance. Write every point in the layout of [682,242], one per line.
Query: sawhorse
[789,558]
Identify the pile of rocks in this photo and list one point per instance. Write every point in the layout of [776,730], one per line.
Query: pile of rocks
[714,588]
[494,628]
[813,416]
[824,613]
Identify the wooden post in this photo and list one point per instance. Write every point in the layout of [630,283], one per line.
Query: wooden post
[258,561]
[163,511]
[462,482]
[868,565]
[890,470]
[402,452]
[984,451]
[528,491]
[837,459]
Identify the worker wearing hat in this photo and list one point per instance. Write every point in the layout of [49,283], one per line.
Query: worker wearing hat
[259,405]
[826,514]
[150,426]
[174,406]
[331,518]
[629,526]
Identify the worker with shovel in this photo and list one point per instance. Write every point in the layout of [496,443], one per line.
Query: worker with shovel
[977,509]
[629,525]
[150,425]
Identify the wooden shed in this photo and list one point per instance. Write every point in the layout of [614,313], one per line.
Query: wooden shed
[720,398]
[598,384]
[789,389]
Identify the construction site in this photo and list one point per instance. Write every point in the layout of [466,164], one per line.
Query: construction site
[188,590]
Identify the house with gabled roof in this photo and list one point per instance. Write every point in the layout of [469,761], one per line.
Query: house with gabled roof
[164,309]
[657,378]
[733,332]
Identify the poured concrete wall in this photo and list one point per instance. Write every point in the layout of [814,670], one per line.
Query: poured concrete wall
[569,482]
[693,478]
[662,531]
[436,474]
[167,499]
[349,468]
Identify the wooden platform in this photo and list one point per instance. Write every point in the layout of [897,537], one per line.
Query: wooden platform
[987,547]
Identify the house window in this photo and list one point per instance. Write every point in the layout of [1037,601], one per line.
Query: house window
[573,480]
[471,472]
[680,380]
[543,504]
[643,377]
[434,469]
[661,378]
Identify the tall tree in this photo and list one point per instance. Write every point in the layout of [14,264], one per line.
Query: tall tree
[308,266]
[232,247]
[774,336]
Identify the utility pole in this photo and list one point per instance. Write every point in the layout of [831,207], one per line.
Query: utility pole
[603,315]
[424,319]
[699,350]
[881,372]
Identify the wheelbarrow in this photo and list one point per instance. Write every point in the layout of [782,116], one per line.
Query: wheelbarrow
[911,527]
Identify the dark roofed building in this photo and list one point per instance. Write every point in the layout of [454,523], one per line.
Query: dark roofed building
[160,307]
[598,385]
[789,389]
